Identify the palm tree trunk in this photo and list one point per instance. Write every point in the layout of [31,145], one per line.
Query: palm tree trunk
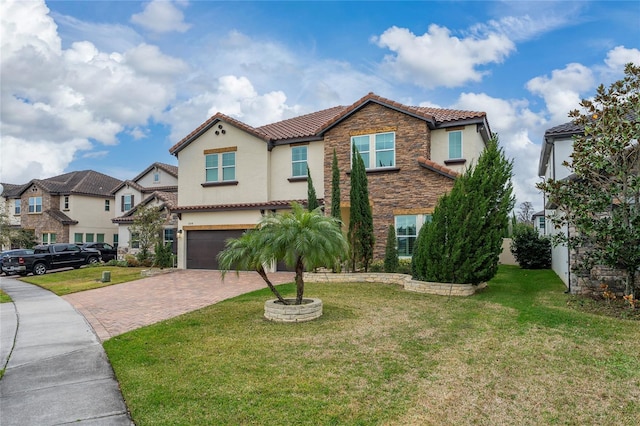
[260,270]
[299,280]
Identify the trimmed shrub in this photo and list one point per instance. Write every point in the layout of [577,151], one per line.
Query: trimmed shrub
[391,251]
[531,250]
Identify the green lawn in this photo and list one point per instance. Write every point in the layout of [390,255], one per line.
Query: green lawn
[4,297]
[74,280]
[514,354]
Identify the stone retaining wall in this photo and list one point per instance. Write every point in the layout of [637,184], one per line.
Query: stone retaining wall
[442,289]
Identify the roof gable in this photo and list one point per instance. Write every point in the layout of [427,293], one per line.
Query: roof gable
[314,125]
[85,182]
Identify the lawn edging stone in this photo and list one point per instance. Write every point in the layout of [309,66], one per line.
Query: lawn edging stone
[404,280]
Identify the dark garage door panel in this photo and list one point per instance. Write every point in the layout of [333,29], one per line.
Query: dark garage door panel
[203,247]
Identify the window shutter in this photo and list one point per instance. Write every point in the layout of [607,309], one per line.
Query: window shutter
[122,203]
[132,202]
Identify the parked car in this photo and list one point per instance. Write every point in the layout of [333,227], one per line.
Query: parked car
[13,252]
[51,256]
[107,251]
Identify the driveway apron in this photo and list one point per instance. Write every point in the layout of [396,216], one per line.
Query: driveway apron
[57,371]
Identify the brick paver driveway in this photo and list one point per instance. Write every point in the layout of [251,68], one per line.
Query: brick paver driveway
[116,309]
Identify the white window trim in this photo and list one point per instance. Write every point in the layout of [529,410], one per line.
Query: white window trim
[461,144]
[35,205]
[372,150]
[305,161]
[421,219]
[219,168]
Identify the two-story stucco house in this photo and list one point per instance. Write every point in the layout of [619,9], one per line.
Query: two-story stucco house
[157,185]
[557,147]
[73,207]
[232,173]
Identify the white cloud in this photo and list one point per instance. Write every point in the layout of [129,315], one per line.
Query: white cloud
[437,58]
[233,96]
[148,60]
[161,16]
[66,100]
[562,91]
[31,153]
[619,56]
[516,126]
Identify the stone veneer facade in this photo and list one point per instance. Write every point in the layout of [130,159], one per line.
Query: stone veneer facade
[417,187]
[42,222]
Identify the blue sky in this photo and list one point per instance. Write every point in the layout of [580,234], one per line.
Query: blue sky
[112,85]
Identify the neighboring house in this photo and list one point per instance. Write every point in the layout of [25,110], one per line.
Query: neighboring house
[231,173]
[557,147]
[10,205]
[65,208]
[157,185]
[539,222]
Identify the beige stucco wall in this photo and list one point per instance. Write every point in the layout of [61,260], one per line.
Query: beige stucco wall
[472,146]
[165,179]
[251,169]
[281,188]
[116,210]
[91,217]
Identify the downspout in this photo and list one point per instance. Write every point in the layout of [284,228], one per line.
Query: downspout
[568,261]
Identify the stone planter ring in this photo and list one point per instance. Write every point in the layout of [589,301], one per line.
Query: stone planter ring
[310,309]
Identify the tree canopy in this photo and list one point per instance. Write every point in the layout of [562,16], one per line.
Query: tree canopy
[302,239]
[463,242]
[601,199]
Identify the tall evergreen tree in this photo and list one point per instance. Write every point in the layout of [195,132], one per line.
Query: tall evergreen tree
[335,188]
[391,251]
[463,242]
[360,236]
[312,198]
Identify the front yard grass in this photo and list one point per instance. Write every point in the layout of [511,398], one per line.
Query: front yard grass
[513,354]
[87,278]
[4,297]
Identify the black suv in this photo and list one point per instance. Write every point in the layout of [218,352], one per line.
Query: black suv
[107,251]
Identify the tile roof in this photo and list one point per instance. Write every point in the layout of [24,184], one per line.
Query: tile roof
[10,190]
[85,182]
[208,124]
[172,170]
[316,123]
[565,128]
[243,206]
[168,199]
[61,217]
[438,168]
[303,126]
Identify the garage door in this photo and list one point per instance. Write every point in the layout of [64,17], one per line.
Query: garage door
[203,247]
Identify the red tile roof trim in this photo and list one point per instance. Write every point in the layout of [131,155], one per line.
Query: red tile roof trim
[269,205]
[438,168]
[313,125]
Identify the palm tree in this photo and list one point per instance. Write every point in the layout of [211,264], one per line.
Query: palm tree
[303,239]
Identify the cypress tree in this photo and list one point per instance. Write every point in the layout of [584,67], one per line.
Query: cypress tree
[463,242]
[391,251]
[312,198]
[360,234]
[335,188]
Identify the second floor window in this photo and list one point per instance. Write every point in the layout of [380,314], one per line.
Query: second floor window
[156,177]
[298,161]
[35,204]
[127,202]
[455,144]
[377,150]
[107,205]
[17,209]
[66,203]
[220,167]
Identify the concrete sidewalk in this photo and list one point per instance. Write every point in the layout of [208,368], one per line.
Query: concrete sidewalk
[57,371]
